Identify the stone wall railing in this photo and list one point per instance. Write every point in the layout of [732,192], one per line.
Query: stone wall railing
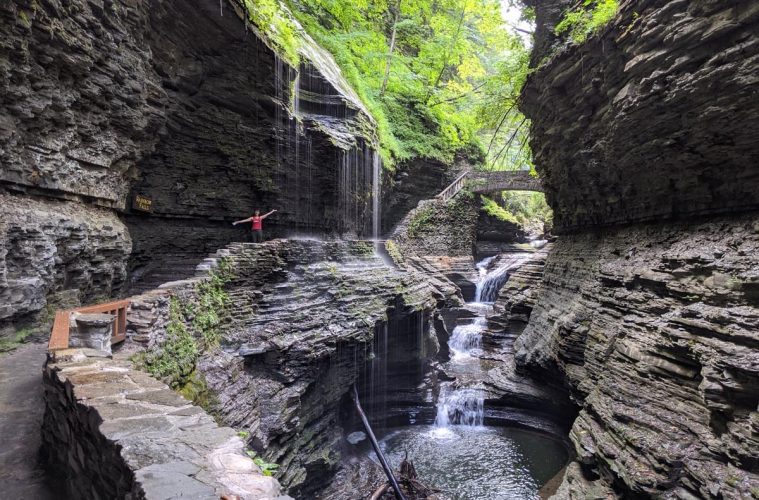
[114,432]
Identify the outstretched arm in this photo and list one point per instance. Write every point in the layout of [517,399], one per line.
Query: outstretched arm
[241,221]
[266,215]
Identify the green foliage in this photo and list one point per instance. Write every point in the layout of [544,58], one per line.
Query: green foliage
[421,220]
[15,340]
[440,77]
[267,468]
[174,360]
[591,16]
[211,304]
[527,207]
[424,93]
[393,251]
[495,210]
[503,128]
[269,17]
[196,390]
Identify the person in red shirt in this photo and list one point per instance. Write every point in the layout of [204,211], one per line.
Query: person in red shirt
[256,225]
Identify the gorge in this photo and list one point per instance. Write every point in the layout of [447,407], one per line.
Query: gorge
[607,347]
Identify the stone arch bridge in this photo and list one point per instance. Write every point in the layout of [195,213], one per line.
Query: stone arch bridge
[490,182]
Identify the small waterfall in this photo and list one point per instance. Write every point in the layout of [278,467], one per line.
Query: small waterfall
[465,406]
[489,285]
[466,338]
[376,193]
[482,268]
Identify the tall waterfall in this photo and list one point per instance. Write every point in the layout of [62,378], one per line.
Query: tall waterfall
[376,194]
[306,103]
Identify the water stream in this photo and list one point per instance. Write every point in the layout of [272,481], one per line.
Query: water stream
[459,453]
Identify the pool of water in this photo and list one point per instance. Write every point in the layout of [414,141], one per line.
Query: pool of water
[478,463]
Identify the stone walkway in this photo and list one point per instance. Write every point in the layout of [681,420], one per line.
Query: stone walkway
[21,409]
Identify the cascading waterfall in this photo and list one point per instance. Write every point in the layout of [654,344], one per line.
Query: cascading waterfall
[359,188]
[489,285]
[465,406]
[359,165]
[467,338]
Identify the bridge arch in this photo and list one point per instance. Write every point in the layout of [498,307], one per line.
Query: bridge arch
[491,182]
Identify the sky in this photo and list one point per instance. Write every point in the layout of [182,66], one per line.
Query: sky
[512,16]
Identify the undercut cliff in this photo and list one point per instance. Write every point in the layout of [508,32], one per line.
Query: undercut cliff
[184,104]
[645,137]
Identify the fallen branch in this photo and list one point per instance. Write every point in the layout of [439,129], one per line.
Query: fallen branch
[375,445]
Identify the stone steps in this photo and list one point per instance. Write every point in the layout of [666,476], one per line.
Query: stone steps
[169,268]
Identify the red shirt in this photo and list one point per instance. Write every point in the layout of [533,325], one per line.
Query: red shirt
[256,221]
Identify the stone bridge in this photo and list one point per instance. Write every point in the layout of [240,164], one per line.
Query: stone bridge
[490,182]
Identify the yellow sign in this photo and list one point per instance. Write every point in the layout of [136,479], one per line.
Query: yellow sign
[142,203]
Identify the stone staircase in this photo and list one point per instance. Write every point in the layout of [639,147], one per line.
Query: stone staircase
[172,267]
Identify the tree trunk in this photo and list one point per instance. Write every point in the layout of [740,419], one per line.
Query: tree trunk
[392,48]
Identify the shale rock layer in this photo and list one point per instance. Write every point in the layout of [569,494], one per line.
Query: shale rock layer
[654,329]
[653,118]
[653,326]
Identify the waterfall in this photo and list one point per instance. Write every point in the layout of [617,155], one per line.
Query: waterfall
[482,269]
[465,406]
[376,193]
[465,338]
[490,284]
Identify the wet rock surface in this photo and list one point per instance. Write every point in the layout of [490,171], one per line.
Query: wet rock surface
[56,254]
[114,432]
[651,326]
[182,103]
[518,296]
[654,328]
[303,320]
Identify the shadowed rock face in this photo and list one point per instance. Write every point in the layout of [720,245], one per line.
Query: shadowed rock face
[654,119]
[306,320]
[652,326]
[179,102]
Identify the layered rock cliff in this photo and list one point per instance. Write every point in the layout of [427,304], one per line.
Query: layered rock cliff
[301,322]
[183,103]
[648,129]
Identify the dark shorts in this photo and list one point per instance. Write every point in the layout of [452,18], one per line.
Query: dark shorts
[257,235]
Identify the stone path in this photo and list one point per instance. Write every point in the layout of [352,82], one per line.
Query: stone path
[21,409]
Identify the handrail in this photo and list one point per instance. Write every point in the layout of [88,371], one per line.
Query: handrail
[453,188]
[59,337]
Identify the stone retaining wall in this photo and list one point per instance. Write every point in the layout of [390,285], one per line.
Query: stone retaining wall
[113,432]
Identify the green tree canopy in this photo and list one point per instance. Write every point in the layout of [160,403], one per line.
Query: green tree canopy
[440,76]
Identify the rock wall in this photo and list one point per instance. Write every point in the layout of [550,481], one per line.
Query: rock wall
[438,238]
[185,104]
[303,322]
[56,254]
[652,326]
[412,182]
[110,431]
[653,118]
[654,329]
[519,294]
[437,227]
